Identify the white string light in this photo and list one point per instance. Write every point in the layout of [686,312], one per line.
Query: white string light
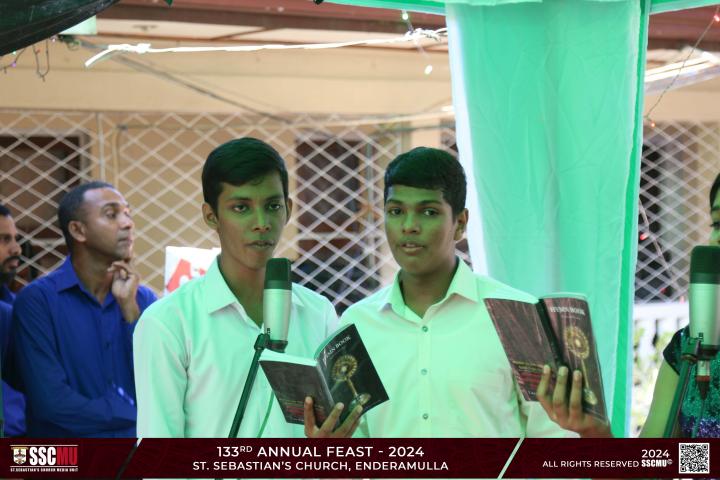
[143,48]
[406,18]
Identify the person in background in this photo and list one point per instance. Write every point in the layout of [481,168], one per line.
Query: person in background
[429,333]
[13,401]
[9,254]
[73,327]
[567,411]
[199,340]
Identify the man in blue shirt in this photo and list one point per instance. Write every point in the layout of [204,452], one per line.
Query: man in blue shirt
[9,254]
[13,402]
[73,328]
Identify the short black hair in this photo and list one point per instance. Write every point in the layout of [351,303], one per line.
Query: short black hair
[4,211]
[70,208]
[237,162]
[714,190]
[431,168]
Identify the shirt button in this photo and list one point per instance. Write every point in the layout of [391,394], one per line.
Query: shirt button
[423,371]
[425,416]
[424,328]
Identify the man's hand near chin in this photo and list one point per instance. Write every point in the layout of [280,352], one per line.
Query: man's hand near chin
[124,288]
[327,429]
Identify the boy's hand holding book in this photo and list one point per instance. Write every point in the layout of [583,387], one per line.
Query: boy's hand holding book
[567,411]
[328,393]
[327,429]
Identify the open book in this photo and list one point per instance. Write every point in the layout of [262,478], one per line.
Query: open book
[340,372]
[555,331]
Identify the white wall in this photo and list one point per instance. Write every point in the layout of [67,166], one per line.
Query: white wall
[347,80]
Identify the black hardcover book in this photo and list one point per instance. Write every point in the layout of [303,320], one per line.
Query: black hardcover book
[555,331]
[340,372]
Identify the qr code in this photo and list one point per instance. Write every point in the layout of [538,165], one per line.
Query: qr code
[694,458]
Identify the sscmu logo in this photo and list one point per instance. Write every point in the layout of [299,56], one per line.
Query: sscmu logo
[44,458]
[19,454]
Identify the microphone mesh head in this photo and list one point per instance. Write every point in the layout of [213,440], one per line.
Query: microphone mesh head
[705,264]
[277,273]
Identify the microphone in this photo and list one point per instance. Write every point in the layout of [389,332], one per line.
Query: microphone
[704,296]
[277,297]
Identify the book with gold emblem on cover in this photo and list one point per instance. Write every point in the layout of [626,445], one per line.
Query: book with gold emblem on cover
[340,372]
[555,331]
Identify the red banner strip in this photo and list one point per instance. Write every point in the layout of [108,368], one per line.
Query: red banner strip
[355,458]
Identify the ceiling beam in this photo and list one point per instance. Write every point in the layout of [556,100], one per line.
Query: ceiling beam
[668,30]
[270,20]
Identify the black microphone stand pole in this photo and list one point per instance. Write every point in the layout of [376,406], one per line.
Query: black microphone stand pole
[689,358]
[263,341]
[260,344]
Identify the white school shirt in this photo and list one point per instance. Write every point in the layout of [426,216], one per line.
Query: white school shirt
[446,374]
[192,352]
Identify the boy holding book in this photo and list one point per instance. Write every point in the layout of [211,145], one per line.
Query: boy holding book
[429,333]
[193,347]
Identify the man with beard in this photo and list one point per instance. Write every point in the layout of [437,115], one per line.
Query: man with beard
[9,254]
[12,400]
[73,328]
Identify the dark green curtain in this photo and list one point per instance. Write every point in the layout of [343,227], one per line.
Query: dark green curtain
[24,22]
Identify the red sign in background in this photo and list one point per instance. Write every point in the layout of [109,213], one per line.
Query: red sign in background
[375,458]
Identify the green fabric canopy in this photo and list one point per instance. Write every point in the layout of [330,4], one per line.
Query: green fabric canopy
[548,98]
[438,6]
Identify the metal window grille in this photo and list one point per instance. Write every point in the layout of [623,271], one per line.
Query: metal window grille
[336,164]
[679,163]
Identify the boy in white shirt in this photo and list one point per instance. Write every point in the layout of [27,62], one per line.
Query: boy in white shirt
[193,348]
[429,333]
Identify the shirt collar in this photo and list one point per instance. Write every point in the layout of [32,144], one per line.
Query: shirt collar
[65,276]
[462,284]
[218,294]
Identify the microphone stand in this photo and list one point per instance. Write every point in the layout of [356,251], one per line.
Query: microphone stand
[260,344]
[689,358]
[263,341]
